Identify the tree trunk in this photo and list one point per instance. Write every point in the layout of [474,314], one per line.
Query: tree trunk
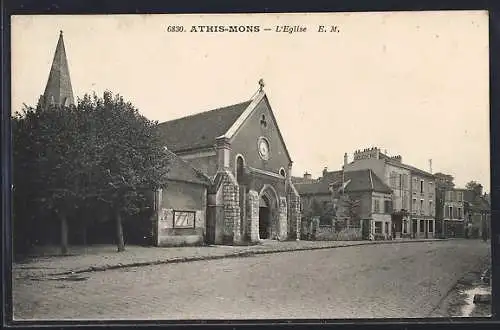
[84,234]
[119,232]
[64,233]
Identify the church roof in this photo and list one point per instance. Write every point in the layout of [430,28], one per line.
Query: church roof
[180,170]
[59,90]
[200,130]
[355,181]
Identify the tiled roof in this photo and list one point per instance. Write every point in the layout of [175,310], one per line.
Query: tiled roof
[409,167]
[358,181]
[301,180]
[200,130]
[317,188]
[180,170]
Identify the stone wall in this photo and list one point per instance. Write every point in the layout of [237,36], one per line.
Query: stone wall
[293,213]
[282,219]
[253,215]
[231,202]
[327,233]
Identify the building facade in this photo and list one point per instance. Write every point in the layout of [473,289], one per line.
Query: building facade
[477,213]
[452,214]
[360,199]
[423,204]
[240,148]
[406,184]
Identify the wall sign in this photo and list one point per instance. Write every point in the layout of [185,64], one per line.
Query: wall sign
[184,219]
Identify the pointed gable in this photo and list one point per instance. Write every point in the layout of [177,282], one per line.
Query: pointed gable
[59,90]
[259,105]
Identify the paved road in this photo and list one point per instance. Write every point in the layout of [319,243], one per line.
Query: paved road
[395,280]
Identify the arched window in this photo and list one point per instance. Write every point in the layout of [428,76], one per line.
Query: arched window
[282,172]
[240,165]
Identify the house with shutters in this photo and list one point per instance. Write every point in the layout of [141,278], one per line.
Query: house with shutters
[241,150]
[360,198]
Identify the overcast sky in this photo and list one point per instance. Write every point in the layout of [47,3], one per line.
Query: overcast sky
[415,84]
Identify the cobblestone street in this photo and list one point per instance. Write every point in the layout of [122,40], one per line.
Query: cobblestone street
[393,280]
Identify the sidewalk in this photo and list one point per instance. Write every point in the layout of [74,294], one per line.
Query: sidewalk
[104,257]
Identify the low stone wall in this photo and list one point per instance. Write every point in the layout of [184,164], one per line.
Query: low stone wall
[346,234]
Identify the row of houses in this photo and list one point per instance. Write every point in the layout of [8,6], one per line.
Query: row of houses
[393,199]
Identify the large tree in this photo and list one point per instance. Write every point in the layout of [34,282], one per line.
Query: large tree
[131,157]
[474,186]
[100,156]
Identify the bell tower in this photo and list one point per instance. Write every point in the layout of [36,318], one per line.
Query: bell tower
[59,90]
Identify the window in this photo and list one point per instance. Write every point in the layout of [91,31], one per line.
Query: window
[376,206]
[431,187]
[405,227]
[449,214]
[431,209]
[421,205]
[388,207]
[387,228]
[400,181]
[184,219]
[422,225]
[378,227]
[414,204]
[460,196]
[282,172]
[405,181]
[431,226]
[460,213]
[422,186]
[393,180]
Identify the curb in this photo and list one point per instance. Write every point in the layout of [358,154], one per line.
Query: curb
[232,255]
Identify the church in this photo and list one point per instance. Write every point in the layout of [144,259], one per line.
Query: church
[250,196]
[229,175]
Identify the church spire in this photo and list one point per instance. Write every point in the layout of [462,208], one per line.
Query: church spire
[59,90]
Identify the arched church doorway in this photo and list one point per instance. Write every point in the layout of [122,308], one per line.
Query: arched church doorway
[264,218]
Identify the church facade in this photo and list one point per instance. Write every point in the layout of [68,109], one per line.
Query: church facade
[242,152]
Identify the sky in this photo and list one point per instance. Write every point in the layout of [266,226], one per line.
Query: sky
[413,83]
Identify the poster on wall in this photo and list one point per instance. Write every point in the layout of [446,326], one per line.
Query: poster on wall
[184,219]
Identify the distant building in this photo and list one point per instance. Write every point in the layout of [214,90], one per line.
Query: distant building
[307,178]
[477,213]
[361,192]
[413,191]
[453,213]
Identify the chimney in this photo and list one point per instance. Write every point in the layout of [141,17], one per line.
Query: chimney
[325,170]
[430,166]
[307,176]
[345,159]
